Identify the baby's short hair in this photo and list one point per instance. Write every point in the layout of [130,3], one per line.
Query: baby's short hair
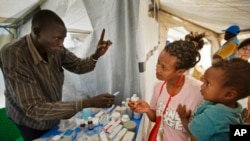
[237,72]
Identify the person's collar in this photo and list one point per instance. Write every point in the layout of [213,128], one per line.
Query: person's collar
[235,37]
[36,57]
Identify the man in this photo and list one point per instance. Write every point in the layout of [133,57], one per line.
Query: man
[229,48]
[33,72]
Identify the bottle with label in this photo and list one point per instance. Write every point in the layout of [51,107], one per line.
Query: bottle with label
[136,115]
[118,109]
[90,123]
[83,126]
[123,108]
[129,110]
[115,116]
[134,98]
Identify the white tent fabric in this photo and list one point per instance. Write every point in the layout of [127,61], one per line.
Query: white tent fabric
[148,50]
[214,15]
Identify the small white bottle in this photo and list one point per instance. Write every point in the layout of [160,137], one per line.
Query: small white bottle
[115,116]
[129,110]
[125,118]
[118,109]
[136,115]
[123,108]
[90,123]
[134,98]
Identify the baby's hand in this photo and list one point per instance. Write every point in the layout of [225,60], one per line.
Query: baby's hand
[183,113]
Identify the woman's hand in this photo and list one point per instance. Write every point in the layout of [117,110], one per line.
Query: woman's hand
[140,106]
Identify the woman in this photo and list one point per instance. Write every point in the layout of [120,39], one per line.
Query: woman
[244,53]
[174,88]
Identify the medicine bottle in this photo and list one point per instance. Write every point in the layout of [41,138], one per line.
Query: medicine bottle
[125,118]
[123,108]
[134,98]
[90,123]
[136,115]
[83,126]
[129,110]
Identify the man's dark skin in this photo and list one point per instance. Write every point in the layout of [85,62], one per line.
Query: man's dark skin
[227,37]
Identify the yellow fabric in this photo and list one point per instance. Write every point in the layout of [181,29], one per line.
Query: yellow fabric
[197,74]
[227,50]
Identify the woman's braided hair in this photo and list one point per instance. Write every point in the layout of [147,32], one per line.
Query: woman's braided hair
[186,51]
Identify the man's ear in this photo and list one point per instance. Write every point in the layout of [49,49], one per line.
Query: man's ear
[35,31]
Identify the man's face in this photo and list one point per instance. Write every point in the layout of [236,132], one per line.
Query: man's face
[51,38]
[228,35]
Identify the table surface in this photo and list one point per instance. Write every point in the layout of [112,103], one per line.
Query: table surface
[55,131]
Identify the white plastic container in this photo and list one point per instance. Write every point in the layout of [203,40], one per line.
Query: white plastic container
[125,118]
[115,116]
[129,110]
[136,115]
[123,108]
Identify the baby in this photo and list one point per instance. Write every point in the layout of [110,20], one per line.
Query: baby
[224,83]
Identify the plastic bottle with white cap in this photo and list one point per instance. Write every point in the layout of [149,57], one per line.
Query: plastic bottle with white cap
[129,110]
[90,123]
[123,108]
[116,116]
[136,115]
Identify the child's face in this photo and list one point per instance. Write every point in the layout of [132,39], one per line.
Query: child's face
[212,88]
[165,68]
